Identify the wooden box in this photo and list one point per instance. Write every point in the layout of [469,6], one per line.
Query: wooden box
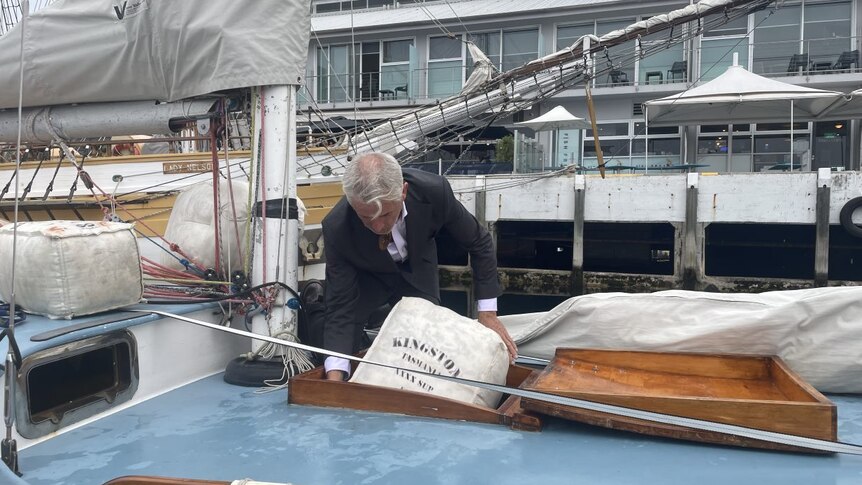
[312,388]
[752,391]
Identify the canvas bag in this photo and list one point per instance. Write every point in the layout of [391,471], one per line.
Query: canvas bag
[70,268]
[420,335]
[191,224]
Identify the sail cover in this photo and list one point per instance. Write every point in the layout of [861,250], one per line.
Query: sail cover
[80,51]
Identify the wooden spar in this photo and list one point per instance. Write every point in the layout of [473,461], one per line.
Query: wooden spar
[592,111]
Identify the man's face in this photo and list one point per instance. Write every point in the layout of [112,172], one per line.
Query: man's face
[383,223]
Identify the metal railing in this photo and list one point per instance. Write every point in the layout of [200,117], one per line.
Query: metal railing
[834,55]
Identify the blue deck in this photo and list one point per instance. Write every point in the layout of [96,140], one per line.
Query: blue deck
[211,430]
[114,320]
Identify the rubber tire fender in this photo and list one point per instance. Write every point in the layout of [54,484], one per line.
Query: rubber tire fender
[846,217]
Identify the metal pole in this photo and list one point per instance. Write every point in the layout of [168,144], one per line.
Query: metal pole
[791,136]
[8,447]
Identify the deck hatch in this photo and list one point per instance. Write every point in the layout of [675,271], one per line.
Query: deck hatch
[65,384]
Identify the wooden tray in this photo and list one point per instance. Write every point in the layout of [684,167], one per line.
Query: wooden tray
[753,391]
[313,389]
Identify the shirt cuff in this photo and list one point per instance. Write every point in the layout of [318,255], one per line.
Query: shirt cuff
[337,363]
[489,305]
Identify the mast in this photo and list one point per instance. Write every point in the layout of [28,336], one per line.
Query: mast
[275,246]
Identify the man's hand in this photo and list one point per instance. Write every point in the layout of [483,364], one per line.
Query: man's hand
[490,320]
[336,375]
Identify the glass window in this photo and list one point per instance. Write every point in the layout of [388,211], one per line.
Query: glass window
[519,48]
[658,56]
[322,75]
[613,152]
[339,73]
[328,7]
[369,71]
[395,68]
[782,126]
[397,51]
[740,156]
[776,39]
[827,30]
[776,151]
[711,144]
[617,54]
[713,128]
[444,48]
[741,144]
[566,36]
[609,129]
[717,55]
[444,66]
[379,3]
[640,129]
[663,152]
[738,26]
[489,43]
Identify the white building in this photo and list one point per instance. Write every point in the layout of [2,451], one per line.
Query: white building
[369,59]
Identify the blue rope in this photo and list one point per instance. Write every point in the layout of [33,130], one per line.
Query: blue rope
[20,316]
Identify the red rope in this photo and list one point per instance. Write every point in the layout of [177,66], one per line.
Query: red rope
[214,151]
[230,181]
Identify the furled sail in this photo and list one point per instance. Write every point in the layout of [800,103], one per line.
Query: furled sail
[84,51]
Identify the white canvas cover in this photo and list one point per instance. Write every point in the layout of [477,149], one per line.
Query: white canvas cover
[71,268]
[557,118]
[420,335]
[848,107]
[818,332]
[739,96]
[81,51]
[191,225]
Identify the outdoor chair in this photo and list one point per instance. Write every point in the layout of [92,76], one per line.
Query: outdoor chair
[679,69]
[845,60]
[798,62]
[400,89]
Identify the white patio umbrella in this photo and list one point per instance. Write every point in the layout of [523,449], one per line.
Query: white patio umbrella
[558,118]
[740,96]
[849,107]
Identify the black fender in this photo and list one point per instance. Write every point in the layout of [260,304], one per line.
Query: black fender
[846,217]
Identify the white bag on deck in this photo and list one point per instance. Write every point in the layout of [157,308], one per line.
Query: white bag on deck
[70,268]
[420,335]
[817,332]
[191,224]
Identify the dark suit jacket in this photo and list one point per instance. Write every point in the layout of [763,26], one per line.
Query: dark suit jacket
[353,255]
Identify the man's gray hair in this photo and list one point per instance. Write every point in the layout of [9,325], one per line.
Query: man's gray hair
[373,178]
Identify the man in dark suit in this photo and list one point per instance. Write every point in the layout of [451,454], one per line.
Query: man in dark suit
[380,246]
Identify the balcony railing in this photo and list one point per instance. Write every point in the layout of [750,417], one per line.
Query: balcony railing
[834,55]
[773,59]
